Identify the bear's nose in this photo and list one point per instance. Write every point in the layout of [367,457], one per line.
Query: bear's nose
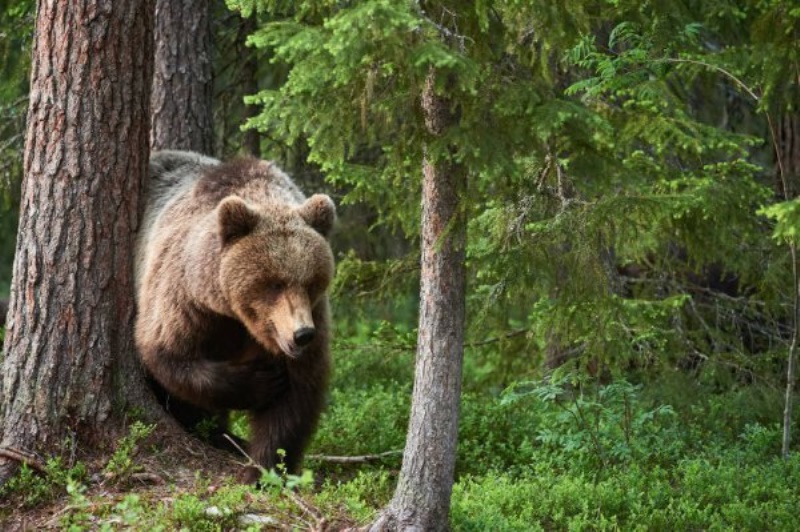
[304,336]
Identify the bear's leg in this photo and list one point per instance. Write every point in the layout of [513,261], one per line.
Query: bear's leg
[288,425]
[270,432]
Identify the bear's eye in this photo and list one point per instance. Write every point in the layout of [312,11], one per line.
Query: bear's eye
[275,286]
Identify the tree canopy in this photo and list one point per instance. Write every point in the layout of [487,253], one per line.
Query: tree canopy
[618,152]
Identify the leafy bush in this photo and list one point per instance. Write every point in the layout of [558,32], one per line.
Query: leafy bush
[368,420]
[360,497]
[698,494]
[568,453]
[32,488]
[121,465]
[369,352]
[497,435]
[597,426]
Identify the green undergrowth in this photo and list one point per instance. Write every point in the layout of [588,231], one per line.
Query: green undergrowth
[702,493]
[559,455]
[669,452]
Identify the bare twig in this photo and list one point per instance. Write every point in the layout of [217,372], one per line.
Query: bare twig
[446,32]
[353,459]
[510,334]
[250,461]
[54,519]
[791,363]
[23,458]
[721,70]
[373,347]
[542,177]
[592,433]
[411,348]
[321,522]
[147,478]
[562,187]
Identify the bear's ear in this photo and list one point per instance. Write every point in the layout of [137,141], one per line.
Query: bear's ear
[235,218]
[320,213]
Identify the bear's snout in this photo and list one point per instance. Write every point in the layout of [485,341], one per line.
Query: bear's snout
[304,336]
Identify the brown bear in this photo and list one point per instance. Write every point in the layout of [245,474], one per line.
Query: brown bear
[232,267]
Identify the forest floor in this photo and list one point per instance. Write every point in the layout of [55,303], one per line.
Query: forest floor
[182,484]
[669,453]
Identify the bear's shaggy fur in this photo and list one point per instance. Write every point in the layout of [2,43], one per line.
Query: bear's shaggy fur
[232,267]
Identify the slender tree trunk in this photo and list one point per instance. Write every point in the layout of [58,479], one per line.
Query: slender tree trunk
[791,362]
[182,84]
[422,498]
[70,367]
[787,155]
[787,170]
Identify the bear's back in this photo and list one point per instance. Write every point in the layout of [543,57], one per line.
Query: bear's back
[258,182]
[171,176]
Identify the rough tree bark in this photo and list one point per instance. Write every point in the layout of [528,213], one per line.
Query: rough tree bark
[422,498]
[182,80]
[70,367]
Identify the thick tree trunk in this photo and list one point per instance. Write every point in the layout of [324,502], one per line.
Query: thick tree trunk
[182,85]
[70,366]
[422,498]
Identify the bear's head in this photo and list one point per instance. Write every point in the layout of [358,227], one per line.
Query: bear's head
[275,266]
